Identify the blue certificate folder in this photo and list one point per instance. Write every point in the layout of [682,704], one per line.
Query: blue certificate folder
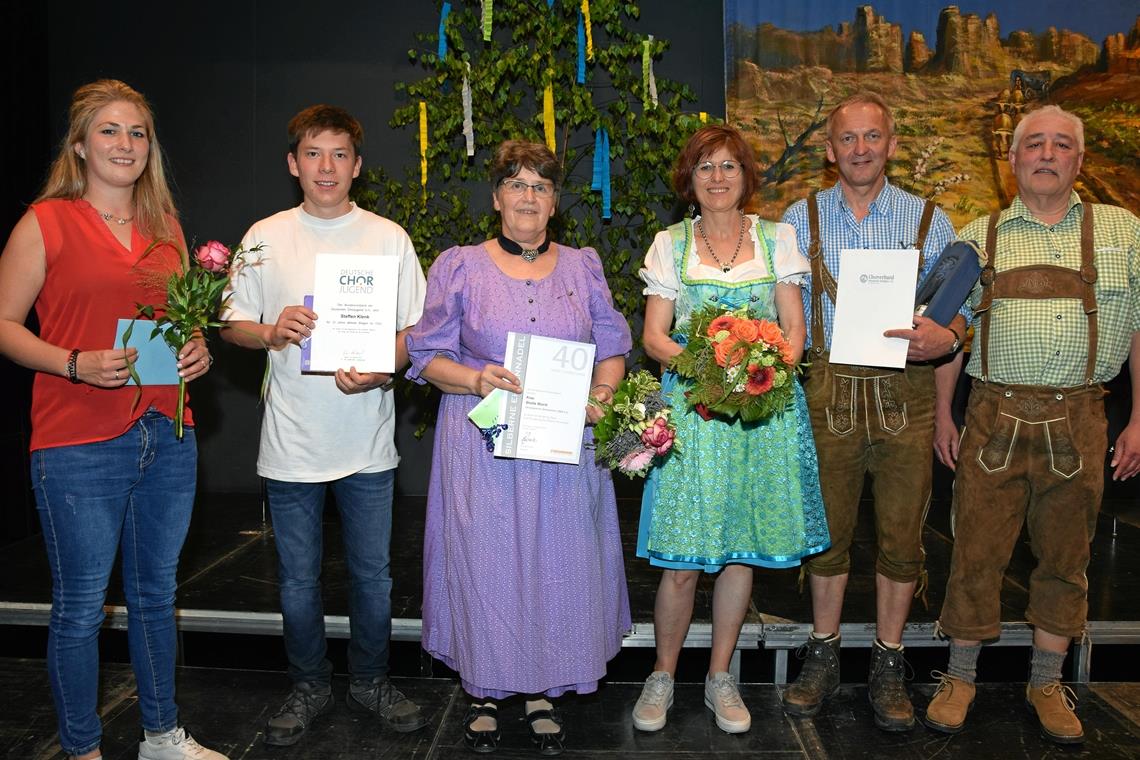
[945,289]
[155,363]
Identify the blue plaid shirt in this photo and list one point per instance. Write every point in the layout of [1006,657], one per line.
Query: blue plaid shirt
[891,222]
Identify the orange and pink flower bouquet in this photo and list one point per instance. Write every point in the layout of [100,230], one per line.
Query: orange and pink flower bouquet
[738,365]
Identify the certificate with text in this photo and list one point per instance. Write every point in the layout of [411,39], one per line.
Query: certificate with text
[875,293]
[545,421]
[354,297]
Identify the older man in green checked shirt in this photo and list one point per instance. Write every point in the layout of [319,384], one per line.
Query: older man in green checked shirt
[1057,311]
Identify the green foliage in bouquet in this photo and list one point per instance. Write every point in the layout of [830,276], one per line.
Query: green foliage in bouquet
[738,365]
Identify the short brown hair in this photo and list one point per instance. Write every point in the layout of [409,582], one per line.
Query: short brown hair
[513,156]
[706,141]
[321,118]
[862,97]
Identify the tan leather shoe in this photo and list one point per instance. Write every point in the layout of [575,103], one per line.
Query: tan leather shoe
[951,701]
[1054,705]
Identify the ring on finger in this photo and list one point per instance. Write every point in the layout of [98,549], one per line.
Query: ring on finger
[116,374]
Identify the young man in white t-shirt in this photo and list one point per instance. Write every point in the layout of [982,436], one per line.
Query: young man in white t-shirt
[322,431]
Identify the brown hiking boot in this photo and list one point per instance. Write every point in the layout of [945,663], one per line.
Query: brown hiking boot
[886,688]
[1054,705]
[818,679]
[951,701]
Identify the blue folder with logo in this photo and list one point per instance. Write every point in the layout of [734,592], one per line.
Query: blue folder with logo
[945,289]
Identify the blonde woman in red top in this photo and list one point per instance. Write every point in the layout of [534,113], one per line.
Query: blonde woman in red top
[108,472]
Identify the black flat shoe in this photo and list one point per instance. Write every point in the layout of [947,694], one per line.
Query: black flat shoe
[481,741]
[548,744]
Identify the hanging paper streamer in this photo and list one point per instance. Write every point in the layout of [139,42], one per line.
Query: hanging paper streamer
[549,3]
[589,32]
[581,48]
[548,111]
[443,14]
[423,150]
[704,117]
[648,81]
[651,80]
[468,127]
[601,180]
[488,11]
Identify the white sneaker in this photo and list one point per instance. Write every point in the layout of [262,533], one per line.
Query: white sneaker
[175,745]
[723,697]
[652,708]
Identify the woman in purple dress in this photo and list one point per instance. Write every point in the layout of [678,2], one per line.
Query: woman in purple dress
[524,586]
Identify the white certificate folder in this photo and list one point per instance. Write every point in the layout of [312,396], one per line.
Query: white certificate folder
[545,421]
[354,297]
[875,294]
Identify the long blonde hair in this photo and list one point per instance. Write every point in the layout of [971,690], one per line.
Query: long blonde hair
[154,206]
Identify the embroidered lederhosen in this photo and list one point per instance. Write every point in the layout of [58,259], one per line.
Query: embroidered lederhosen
[1036,405]
[869,420]
[1021,461]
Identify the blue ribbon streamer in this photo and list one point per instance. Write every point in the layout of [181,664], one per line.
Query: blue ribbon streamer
[581,48]
[601,179]
[443,14]
[549,3]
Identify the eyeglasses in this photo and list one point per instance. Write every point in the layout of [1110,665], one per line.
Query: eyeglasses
[518,187]
[728,168]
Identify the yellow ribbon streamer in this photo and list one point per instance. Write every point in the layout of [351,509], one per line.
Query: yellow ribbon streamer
[704,117]
[589,34]
[548,112]
[423,150]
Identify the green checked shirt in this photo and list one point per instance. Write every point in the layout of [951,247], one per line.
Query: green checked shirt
[1045,342]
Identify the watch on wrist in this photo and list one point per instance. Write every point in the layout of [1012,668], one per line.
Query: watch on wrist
[957,340]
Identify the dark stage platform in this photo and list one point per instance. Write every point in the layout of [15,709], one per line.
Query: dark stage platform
[229,621]
[227,710]
[228,584]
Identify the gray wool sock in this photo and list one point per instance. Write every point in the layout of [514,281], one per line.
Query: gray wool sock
[1045,668]
[964,662]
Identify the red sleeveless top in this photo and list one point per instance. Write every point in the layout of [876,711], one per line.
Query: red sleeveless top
[90,282]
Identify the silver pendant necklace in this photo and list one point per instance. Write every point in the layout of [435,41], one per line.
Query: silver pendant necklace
[109,217]
[724,267]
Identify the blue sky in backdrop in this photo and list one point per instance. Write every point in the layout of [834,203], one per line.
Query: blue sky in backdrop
[1095,19]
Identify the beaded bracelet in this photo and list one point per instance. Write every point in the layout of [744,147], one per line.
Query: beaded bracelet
[604,385]
[72,374]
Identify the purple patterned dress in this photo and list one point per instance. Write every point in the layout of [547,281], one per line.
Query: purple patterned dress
[524,585]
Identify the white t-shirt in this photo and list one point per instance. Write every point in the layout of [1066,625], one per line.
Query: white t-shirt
[311,432]
[660,270]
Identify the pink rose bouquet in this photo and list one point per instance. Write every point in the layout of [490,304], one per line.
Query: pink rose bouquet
[739,366]
[636,432]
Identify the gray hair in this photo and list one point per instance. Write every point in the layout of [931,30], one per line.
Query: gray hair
[1050,110]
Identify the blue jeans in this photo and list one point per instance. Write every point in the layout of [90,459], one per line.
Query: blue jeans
[364,501]
[134,492]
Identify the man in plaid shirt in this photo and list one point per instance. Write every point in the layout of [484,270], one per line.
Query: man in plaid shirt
[1057,311]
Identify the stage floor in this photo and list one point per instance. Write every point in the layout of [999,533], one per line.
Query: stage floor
[229,565]
[227,709]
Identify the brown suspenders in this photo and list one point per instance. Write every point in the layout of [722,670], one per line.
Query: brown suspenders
[1041,281]
[821,275]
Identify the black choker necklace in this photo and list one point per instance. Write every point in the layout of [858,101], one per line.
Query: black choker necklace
[528,254]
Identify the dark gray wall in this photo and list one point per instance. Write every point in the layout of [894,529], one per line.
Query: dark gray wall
[224,78]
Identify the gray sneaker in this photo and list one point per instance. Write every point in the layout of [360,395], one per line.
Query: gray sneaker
[306,702]
[379,697]
[652,708]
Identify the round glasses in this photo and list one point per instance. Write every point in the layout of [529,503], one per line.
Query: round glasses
[518,187]
[729,169]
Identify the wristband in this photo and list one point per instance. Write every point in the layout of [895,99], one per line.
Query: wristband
[72,359]
[604,385]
